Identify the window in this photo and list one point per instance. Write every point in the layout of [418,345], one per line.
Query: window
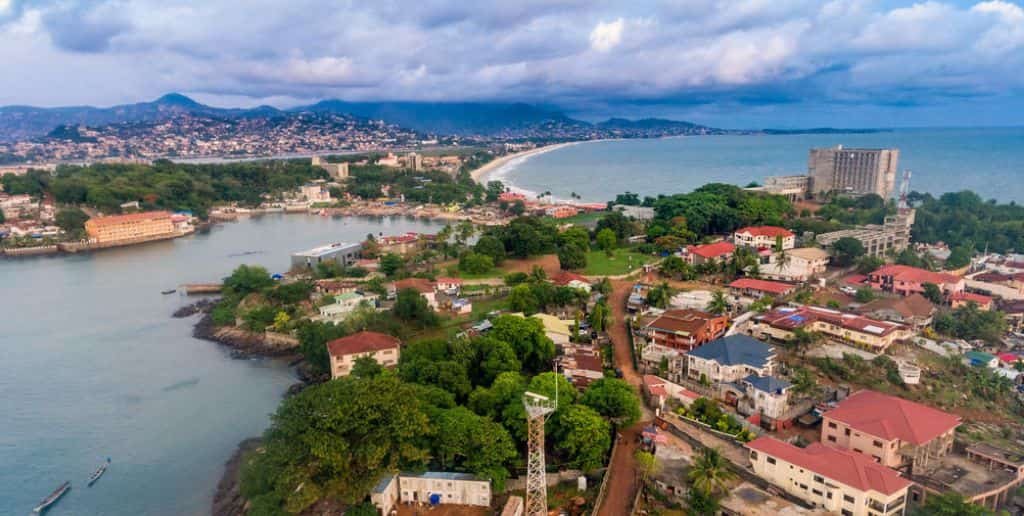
[832,425]
[832,438]
[847,513]
[753,455]
[847,431]
[848,499]
[818,479]
[770,460]
[815,491]
[878,444]
[803,486]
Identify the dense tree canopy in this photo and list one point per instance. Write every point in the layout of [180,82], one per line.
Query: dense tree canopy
[720,208]
[964,219]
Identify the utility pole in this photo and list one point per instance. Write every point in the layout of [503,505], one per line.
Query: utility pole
[538,408]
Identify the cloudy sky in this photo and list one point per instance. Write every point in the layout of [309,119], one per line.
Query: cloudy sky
[732,63]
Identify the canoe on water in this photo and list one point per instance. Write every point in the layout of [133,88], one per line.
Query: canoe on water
[52,499]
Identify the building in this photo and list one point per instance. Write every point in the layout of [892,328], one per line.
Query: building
[799,265]
[571,280]
[685,329]
[582,368]
[345,304]
[764,237]
[414,162]
[766,396]
[717,252]
[635,212]
[730,359]
[341,254]
[514,506]
[750,287]
[892,431]
[401,244]
[905,280]
[965,298]
[333,287]
[424,286]
[315,192]
[561,212]
[878,240]
[837,480]
[794,187]
[384,349]
[337,171]
[432,488]
[876,336]
[557,330]
[133,227]
[913,310]
[450,286]
[853,171]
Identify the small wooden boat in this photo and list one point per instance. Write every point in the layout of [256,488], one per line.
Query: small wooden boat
[52,499]
[166,292]
[98,473]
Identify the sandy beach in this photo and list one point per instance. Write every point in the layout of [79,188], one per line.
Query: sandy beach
[479,175]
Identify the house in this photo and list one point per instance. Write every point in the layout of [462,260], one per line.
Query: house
[891,430]
[1009,359]
[751,287]
[685,329]
[461,306]
[730,359]
[965,298]
[981,359]
[837,480]
[384,349]
[561,212]
[557,330]
[905,280]
[913,310]
[717,252]
[345,304]
[764,237]
[582,368]
[799,265]
[782,323]
[767,396]
[431,487]
[424,286]
[571,280]
[659,390]
[342,254]
[450,286]
[401,244]
[637,300]
[667,362]
[330,287]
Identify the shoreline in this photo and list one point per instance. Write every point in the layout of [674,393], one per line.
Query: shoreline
[480,175]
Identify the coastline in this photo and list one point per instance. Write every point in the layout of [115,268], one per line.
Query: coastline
[480,175]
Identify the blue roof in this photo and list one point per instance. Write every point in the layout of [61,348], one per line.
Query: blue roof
[444,475]
[736,350]
[769,384]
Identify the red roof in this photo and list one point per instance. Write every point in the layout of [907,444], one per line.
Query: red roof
[566,277]
[450,281]
[910,274]
[712,250]
[889,417]
[971,296]
[419,284]
[130,217]
[362,342]
[846,467]
[1008,358]
[790,318]
[855,279]
[768,231]
[773,287]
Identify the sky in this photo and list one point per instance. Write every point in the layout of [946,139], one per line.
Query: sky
[729,63]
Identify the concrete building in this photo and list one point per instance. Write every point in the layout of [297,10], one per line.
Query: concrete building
[345,304]
[425,287]
[414,162]
[766,396]
[764,237]
[384,349]
[337,171]
[758,288]
[717,252]
[635,212]
[837,480]
[913,310]
[430,488]
[800,265]
[891,237]
[730,359]
[965,298]
[571,280]
[906,280]
[342,254]
[132,227]
[315,192]
[685,329]
[794,187]
[892,431]
[853,171]
[876,336]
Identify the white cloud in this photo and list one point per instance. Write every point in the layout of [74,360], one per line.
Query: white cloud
[606,36]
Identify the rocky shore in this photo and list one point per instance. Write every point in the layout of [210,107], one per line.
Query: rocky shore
[228,500]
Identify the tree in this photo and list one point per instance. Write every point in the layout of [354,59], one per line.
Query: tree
[614,399]
[521,299]
[618,223]
[517,208]
[701,503]
[864,294]
[675,267]
[2,218]
[473,442]
[950,503]
[607,241]
[494,189]
[866,264]
[412,308]
[647,463]
[572,256]
[847,250]
[493,357]
[537,274]
[464,231]
[71,220]
[710,472]
[246,279]
[959,256]
[660,295]
[489,245]
[803,381]
[933,293]
[391,263]
[281,321]
[577,235]
[803,339]
[474,263]
[598,317]
[526,336]
[366,367]
[582,436]
[719,304]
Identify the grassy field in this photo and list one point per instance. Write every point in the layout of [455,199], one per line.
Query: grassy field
[583,219]
[600,264]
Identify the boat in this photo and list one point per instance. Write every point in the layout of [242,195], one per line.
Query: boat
[52,499]
[98,473]
[166,292]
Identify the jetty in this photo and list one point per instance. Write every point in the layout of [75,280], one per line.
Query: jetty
[196,289]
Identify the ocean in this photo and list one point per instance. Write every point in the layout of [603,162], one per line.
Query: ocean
[94,366]
[988,161]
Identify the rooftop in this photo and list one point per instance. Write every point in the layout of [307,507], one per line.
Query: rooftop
[129,217]
[686,322]
[808,253]
[565,277]
[768,231]
[910,274]
[326,249]
[736,350]
[846,467]
[914,305]
[769,384]
[773,287]
[420,285]
[362,342]
[890,417]
[971,297]
[788,318]
[712,250]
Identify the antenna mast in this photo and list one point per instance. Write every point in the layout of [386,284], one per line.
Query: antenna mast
[538,408]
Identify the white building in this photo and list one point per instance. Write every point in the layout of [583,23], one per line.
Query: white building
[766,395]
[345,304]
[801,264]
[730,359]
[432,488]
[764,237]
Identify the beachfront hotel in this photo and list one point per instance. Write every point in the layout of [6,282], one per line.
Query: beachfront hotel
[131,227]
[853,171]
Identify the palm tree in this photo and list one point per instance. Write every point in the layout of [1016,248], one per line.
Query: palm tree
[659,296]
[719,304]
[781,257]
[464,231]
[647,465]
[537,274]
[710,472]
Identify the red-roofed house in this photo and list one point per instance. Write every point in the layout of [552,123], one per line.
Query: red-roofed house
[781,323]
[659,390]
[965,298]
[892,430]
[839,481]
[382,348]
[905,280]
[759,288]
[424,286]
[764,237]
[685,329]
[716,252]
[572,280]
[1009,359]
[450,286]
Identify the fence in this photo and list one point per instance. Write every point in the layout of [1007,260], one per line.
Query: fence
[604,480]
[519,483]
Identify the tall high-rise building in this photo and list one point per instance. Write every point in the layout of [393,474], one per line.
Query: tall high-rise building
[854,171]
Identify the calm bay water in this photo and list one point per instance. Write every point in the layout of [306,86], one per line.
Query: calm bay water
[93,366]
[988,161]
